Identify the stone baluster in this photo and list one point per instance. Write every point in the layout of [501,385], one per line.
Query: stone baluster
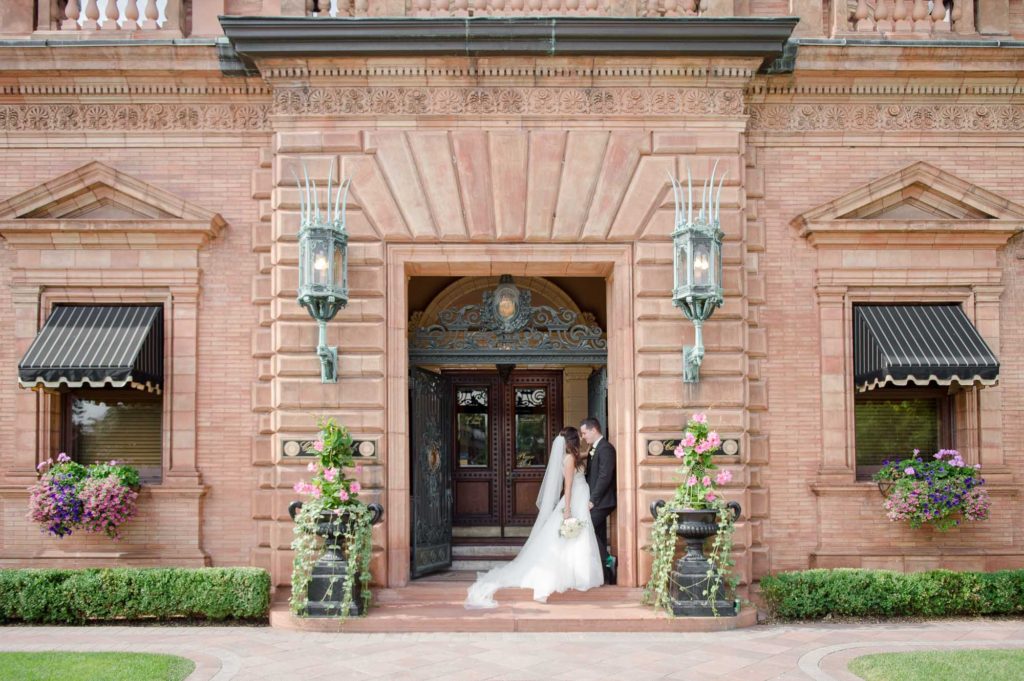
[345,8]
[360,8]
[111,14]
[71,15]
[922,21]
[689,7]
[479,7]
[131,16]
[420,8]
[863,23]
[553,7]
[900,17]
[152,14]
[883,16]
[92,16]
[939,23]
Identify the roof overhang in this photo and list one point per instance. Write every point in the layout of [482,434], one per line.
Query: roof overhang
[275,37]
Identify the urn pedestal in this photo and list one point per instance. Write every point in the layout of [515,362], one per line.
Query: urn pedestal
[324,594]
[689,577]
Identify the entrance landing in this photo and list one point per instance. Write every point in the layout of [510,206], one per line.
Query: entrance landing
[437,606]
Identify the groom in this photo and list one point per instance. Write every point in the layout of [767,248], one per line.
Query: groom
[601,479]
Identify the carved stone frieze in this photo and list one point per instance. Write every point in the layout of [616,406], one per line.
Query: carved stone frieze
[127,117]
[508,101]
[880,117]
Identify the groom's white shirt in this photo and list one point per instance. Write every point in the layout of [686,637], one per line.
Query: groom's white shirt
[593,447]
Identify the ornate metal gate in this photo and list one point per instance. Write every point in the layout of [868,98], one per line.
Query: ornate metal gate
[597,396]
[430,423]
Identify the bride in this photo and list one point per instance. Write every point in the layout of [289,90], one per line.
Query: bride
[549,562]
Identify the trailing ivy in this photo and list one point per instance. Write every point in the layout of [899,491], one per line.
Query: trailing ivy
[335,501]
[696,490]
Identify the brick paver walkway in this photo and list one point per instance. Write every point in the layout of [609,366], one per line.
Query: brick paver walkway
[812,651]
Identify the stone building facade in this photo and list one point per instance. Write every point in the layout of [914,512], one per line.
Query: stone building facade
[873,156]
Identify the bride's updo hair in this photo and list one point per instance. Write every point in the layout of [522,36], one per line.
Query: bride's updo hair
[572,445]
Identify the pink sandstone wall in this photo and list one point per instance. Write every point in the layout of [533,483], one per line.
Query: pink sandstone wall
[218,179]
[798,179]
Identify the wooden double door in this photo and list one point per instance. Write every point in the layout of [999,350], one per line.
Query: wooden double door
[501,434]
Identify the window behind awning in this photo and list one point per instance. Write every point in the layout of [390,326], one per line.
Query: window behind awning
[97,346]
[900,345]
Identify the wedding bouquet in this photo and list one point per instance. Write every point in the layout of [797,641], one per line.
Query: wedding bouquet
[571,527]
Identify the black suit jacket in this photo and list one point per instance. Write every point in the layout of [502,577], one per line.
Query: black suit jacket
[601,475]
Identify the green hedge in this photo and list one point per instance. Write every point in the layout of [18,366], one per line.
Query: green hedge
[813,594]
[78,596]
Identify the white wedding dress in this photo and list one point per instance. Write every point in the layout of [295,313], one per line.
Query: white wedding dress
[549,563]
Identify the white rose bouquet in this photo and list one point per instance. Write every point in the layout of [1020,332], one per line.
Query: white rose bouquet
[571,527]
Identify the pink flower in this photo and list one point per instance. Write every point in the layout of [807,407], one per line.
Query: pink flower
[706,481]
[691,481]
[714,440]
[299,487]
[723,477]
[342,494]
[359,469]
[699,417]
[330,474]
[689,440]
[710,496]
[678,451]
[63,458]
[315,492]
[318,444]
[918,451]
[908,470]
[311,467]
[702,447]
[41,464]
[977,466]
[355,486]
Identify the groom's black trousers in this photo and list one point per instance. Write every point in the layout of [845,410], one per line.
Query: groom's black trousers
[599,519]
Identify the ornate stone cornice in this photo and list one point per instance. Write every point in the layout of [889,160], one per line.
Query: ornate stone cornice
[134,117]
[508,101]
[879,117]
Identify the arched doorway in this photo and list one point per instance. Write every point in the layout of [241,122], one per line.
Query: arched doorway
[498,365]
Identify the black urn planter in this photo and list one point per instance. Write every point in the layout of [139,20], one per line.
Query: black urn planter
[331,568]
[689,577]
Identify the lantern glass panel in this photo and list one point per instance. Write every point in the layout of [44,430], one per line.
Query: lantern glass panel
[702,263]
[338,268]
[321,259]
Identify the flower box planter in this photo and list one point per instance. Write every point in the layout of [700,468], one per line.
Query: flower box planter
[331,569]
[689,578]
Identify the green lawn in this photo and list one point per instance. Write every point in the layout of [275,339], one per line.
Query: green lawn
[92,666]
[941,665]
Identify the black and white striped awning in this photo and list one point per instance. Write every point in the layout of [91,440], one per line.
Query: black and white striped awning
[919,345]
[97,346]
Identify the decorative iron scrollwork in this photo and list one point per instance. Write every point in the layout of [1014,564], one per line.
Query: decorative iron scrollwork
[491,332]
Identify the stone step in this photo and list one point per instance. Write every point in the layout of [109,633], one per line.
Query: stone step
[478,564]
[490,551]
[438,608]
[448,593]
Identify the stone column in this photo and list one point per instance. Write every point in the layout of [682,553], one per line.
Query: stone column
[180,335]
[25,454]
[835,458]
